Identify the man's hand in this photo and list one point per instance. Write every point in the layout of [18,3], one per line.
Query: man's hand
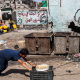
[24,65]
[30,69]
[29,62]
[34,65]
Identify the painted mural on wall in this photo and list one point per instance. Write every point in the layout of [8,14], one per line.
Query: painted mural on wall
[31,17]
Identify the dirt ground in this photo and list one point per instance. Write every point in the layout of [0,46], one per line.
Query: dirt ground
[63,69]
[16,38]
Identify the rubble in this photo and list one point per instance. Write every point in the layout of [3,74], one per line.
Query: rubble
[69,71]
[2,42]
[64,69]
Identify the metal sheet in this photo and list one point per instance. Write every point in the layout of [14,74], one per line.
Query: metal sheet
[30,44]
[60,45]
[39,43]
[73,44]
[44,45]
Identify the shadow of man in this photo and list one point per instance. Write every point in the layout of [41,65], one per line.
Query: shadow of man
[21,71]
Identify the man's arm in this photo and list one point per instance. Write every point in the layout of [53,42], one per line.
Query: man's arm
[29,62]
[24,65]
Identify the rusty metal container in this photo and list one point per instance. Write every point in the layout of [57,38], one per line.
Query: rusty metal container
[73,44]
[39,43]
[62,34]
[60,44]
[66,44]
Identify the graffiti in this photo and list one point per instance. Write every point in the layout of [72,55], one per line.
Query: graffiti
[22,14]
[73,27]
[34,21]
[19,21]
[43,19]
[77,19]
[31,17]
[77,16]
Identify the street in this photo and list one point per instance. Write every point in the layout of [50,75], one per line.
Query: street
[63,69]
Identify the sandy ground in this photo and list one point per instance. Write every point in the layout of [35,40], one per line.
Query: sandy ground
[61,66]
[12,38]
[18,72]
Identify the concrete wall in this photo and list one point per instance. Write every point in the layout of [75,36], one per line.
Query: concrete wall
[63,12]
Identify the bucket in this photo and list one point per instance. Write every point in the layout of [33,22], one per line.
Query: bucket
[1,27]
[4,31]
[14,26]
[44,3]
[5,27]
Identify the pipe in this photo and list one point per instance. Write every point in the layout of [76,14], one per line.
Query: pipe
[48,7]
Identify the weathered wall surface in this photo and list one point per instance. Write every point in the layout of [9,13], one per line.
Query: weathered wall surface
[14,17]
[31,17]
[63,12]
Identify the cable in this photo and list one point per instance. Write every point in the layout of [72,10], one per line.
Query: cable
[63,65]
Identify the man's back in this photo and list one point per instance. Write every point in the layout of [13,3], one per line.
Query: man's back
[9,54]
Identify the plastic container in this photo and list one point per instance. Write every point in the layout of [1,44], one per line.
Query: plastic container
[1,27]
[5,27]
[78,55]
[44,3]
[4,31]
[42,67]
[14,26]
[42,75]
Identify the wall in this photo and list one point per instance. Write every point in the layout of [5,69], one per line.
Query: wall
[63,12]
[31,17]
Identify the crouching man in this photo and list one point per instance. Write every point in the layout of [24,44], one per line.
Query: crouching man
[14,55]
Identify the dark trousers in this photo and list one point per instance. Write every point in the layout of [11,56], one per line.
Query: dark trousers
[4,65]
[11,25]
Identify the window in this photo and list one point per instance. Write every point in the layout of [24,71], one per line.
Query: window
[7,4]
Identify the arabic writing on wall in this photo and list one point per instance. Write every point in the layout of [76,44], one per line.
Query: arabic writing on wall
[31,17]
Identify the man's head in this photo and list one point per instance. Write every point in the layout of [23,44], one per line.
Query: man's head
[23,52]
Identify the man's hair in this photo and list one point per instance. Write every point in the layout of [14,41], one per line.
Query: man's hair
[24,51]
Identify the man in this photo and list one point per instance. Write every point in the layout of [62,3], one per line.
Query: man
[14,55]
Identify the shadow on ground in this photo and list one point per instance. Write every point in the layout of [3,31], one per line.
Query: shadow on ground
[21,71]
